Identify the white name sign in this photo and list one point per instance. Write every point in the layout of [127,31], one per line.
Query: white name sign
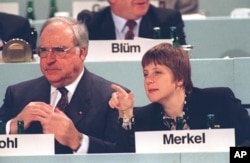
[216,140]
[27,144]
[120,50]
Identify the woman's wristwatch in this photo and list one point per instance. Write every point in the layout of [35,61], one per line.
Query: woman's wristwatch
[127,123]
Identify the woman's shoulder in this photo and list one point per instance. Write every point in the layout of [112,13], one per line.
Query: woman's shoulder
[212,90]
[211,93]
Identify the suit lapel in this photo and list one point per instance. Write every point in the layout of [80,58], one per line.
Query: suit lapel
[147,25]
[79,104]
[108,27]
[41,91]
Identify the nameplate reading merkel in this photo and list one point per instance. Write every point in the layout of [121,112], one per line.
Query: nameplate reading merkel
[27,144]
[215,140]
[120,50]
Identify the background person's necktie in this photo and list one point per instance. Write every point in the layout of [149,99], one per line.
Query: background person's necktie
[63,102]
[130,33]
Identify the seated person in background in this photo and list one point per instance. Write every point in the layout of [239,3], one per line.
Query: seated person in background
[14,26]
[81,121]
[110,22]
[168,85]
[184,6]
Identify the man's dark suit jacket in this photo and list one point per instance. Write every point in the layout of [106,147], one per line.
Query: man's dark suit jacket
[14,26]
[218,101]
[88,109]
[101,25]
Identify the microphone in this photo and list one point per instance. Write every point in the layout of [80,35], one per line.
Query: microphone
[85,16]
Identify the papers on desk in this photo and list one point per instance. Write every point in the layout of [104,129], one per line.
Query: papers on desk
[195,16]
[10,7]
[120,50]
[215,140]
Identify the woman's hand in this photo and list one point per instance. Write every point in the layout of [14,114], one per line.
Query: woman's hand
[122,101]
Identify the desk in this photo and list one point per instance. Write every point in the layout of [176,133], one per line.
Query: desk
[218,37]
[124,158]
[233,73]
[213,37]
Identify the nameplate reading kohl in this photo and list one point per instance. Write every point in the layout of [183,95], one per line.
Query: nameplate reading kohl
[27,144]
[178,141]
[120,50]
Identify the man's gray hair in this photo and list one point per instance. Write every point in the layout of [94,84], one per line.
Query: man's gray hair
[80,30]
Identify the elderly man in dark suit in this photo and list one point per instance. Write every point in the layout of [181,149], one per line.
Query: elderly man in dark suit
[110,22]
[68,100]
[14,26]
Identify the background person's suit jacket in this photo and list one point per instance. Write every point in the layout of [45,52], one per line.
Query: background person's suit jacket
[14,26]
[101,25]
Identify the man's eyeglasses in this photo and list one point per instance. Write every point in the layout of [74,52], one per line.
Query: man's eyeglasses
[59,51]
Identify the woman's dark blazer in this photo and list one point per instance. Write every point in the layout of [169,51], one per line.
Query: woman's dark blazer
[221,102]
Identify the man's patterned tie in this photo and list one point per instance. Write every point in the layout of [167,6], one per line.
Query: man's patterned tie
[63,102]
[130,33]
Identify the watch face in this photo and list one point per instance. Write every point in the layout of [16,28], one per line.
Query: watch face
[17,50]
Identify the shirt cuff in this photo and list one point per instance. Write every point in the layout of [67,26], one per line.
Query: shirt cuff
[83,149]
[7,127]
